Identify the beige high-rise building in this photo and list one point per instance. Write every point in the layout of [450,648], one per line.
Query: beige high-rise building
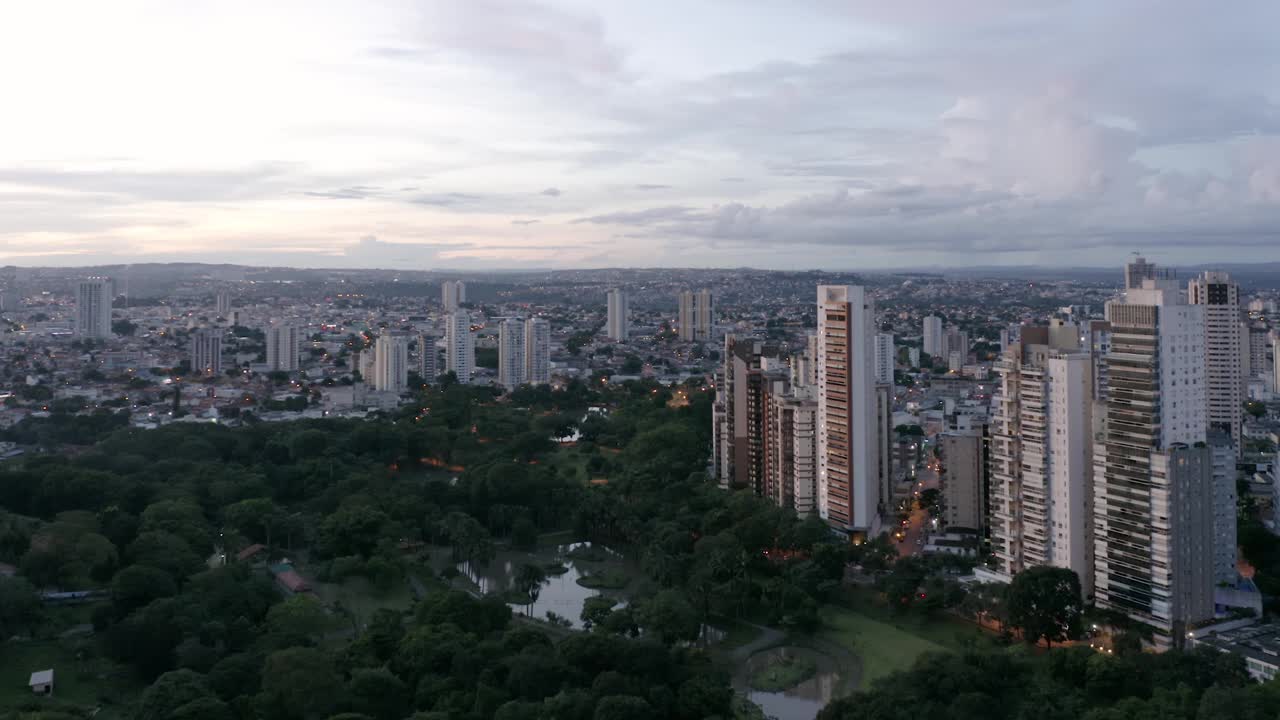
[222,304]
[740,410]
[93,308]
[459,346]
[791,446]
[283,342]
[931,337]
[391,364]
[1153,469]
[206,351]
[1041,463]
[453,293]
[1224,364]
[511,362]
[428,358]
[848,466]
[537,351]
[962,491]
[696,316]
[619,315]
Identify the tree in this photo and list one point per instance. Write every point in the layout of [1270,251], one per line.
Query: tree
[299,683]
[379,693]
[623,707]
[1045,602]
[352,530]
[256,518]
[299,618]
[528,582]
[596,609]
[19,606]
[670,617]
[171,691]
[137,585]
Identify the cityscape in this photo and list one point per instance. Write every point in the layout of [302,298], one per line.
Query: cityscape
[598,360]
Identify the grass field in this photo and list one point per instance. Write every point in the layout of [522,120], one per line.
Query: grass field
[90,682]
[880,646]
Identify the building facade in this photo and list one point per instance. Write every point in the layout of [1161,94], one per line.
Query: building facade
[459,346]
[1224,365]
[962,481]
[537,351]
[931,337]
[391,364]
[696,316]
[283,342]
[619,322]
[1153,471]
[453,293]
[428,358]
[848,479]
[93,308]
[206,351]
[1041,463]
[886,355]
[511,361]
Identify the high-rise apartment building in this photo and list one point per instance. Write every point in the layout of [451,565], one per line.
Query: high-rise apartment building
[1275,363]
[206,351]
[619,326]
[1224,507]
[1136,271]
[282,347]
[428,358]
[1259,342]
[791,445]
[884,443]
[537,351]
[955,343]
[391,364]
[453,293]
[697,316]
[93,308]
[459,346]
[366,362]
[1041,460]
[931,338]
[848,479]
[511,362]
[886,355]
[962,481]
[222,304]
[1153,470]
[1224,366]
[739,415]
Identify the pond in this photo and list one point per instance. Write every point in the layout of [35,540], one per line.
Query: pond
[802,701]
[560,594]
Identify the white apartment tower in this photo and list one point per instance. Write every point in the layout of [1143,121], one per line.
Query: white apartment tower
[511,362]
[1224,365]
[537,351]
[885,357]
[222,305]
[391,364]
[848,477]
[1041,464]
[1153,470]
[93,308]
[206,351]
[932,336]
[453,293]
[619,315]
[459,346]
[282,347]
[697,316]
[427,358]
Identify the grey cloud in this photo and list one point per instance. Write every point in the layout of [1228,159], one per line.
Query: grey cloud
[447,200]
[651,216]
[551,192]
[647,186]
[524,222]
[187,186]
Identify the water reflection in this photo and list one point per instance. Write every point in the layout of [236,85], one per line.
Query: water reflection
[801,702]
[560,594]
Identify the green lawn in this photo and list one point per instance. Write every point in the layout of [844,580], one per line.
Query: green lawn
[880,646]
[89,682]
[360,597]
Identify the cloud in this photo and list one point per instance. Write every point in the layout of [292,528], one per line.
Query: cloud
[551,192]
[651,216]
[647,186]
[524,222]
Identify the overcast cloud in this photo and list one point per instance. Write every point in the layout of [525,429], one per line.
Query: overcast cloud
[483,133]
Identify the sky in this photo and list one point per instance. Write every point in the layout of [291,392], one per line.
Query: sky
[472,134]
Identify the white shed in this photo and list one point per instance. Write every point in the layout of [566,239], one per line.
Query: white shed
[42,682]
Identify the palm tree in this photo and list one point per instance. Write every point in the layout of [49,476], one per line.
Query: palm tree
[528,582]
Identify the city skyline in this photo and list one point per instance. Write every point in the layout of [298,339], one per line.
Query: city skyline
[572,134]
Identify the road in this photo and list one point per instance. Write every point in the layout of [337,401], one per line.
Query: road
[918,523]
